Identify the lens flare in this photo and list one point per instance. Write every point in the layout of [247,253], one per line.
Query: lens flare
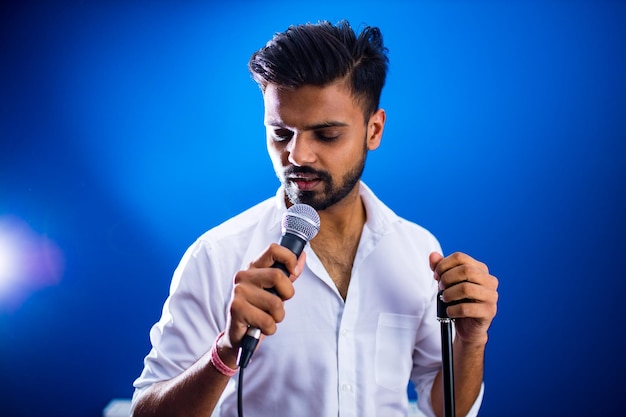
[28,261]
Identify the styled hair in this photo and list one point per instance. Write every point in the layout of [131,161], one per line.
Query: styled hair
[321,53]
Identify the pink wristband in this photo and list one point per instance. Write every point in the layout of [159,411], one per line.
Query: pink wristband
[217,361]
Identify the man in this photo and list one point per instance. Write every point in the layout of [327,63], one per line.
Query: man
[356,318]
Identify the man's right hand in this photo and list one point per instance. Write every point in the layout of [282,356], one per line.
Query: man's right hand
[252,305]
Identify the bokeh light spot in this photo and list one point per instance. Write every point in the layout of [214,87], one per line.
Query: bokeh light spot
[28,261]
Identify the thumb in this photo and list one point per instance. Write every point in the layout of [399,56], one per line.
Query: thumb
[299,267]
[434,258]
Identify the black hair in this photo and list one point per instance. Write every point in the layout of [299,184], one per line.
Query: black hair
[321,53]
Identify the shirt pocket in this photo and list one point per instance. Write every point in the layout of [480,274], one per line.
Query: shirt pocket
[395,340]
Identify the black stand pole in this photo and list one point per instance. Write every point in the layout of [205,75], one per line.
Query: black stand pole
[446,356]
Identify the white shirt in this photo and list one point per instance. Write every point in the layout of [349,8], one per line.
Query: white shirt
[328,357]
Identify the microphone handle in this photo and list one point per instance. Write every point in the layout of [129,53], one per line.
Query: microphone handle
[294,244]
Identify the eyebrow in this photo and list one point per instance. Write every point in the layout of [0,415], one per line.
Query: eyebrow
[322,125]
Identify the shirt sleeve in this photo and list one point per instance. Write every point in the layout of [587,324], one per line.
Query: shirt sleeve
[192,317]
[425,407]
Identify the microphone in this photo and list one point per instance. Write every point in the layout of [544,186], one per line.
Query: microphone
[299,225]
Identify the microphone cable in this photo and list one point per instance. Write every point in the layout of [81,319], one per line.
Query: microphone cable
[248,344]
[240,393]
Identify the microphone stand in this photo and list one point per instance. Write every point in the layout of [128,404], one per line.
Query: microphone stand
[446,357]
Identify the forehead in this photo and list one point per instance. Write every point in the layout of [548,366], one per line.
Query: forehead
[309,105]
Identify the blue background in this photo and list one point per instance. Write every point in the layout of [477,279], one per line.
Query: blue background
[129,128]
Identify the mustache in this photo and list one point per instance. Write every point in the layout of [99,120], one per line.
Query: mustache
[295,171]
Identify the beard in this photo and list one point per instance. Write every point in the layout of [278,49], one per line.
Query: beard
[331,193]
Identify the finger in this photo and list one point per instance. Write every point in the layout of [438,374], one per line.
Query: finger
[268,309]
[460,267]
[485,311]
[467,273]
[469,291]
[434,258]
[299,266]
[458,259]
[285,262]
[283,285]
[261,278]
[276,253]
[253,306]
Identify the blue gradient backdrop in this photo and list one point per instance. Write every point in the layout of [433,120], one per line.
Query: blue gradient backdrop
[129,128]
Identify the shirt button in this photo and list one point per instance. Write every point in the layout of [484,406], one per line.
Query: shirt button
[345,332]
[346,387]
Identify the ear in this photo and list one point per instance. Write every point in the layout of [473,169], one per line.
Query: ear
[375,127]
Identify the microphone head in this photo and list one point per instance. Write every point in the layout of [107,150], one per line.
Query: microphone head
[301,220]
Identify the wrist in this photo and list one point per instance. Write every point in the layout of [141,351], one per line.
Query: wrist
[471,343]
[222,358]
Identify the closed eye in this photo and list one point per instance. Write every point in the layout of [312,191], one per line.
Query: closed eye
[281,135]
[324,137]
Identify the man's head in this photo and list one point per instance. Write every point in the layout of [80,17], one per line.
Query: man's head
[321,88]
[319,54]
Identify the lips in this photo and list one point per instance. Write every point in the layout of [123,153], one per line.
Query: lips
[304,182]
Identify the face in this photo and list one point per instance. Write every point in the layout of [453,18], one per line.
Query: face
[318,140]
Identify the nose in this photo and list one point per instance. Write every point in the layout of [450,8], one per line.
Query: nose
[300,150]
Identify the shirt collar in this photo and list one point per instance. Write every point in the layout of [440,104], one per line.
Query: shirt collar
[379,216]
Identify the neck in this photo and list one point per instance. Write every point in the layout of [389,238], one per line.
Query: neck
[338,239]
[345,218]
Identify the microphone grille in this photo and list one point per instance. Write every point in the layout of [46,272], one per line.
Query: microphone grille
[301,220]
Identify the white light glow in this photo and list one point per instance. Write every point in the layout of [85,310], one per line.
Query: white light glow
[28,261]
[9,257]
